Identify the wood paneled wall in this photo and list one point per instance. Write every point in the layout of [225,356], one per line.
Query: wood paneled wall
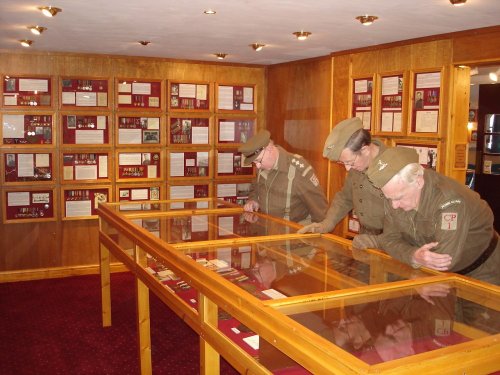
[32,250]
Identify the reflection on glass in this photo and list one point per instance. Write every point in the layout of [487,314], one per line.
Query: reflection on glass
[492,123]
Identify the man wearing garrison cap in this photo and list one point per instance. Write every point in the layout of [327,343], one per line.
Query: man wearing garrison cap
[351,146]
[434,221]
[286,185]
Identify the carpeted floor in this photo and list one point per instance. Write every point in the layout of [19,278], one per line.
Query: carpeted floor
[54,327]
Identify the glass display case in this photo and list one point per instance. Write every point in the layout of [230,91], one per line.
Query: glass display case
[270,300]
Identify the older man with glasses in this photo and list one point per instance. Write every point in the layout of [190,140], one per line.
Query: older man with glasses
[351,146]
[286,185]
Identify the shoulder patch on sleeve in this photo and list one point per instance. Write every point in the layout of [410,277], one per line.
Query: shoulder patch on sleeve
[449,203]
[449,220]
[314,180]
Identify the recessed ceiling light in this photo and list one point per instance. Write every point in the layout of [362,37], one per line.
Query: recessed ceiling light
[458,3]
[210,11]
[493,76]
[302,35]
[366,20]
[144,42]
[50,11]
[37,30]
[220,56]
[257,46]
[26,42]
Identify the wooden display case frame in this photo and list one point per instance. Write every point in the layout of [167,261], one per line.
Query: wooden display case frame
[53,162]
[31,190]
[4,91]
[103,180]
[236,141]
[109,93]
[210,164]
[144,143]
[372,82]
[171,95]
[238,159]
[236,107]
[420,145]
[138,105]
[30,145]
[188,116]
[94,199]
[412,115]
[63,123]
[160,170]
[403,112]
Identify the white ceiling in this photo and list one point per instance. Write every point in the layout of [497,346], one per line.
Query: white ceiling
[179,29]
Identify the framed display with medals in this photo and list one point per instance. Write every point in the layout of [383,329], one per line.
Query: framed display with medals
[231,163]
[82,202]
[236,98]
[138,165]
[137,194]
[235,131]
[136,94]
[23,129]
[85,167]
[85,129]
[392,112]
[21,167]
[189,164]
[27,92]
[234,192]
[84,93]
[190,130]
[138,130]
[25,205]
[426,101]
[188,96]
[186,190]
[362,100]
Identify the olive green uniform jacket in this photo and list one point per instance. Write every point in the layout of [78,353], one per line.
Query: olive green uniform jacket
[451,214]
[359,195]
[270,189]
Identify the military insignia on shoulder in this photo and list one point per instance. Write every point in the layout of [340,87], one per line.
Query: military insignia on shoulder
[314,180]
[449,220]
[381,165]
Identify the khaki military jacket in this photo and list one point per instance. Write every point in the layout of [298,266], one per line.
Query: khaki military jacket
[359,195]
[451,214]
[306,197]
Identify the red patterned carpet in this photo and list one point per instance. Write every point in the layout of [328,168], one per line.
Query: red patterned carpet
[54,327]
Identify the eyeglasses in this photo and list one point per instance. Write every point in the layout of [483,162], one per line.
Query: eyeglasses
[261,158]
[348,163]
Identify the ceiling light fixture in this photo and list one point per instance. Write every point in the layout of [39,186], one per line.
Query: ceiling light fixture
[257,46]
[26,42]
[366,20]
[220,56]
[210,11]
[493,76]
[144,42]
[458,3]
[302,35]
[37,30]
[50,11]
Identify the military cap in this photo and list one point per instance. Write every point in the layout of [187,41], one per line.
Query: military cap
[387,164]
[253,147]
[339,136]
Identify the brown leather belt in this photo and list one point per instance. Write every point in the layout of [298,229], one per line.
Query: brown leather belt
[372,231]
[483,257]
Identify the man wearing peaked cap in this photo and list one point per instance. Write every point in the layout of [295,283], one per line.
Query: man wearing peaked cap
[351,146]
[286,185]
[433,220]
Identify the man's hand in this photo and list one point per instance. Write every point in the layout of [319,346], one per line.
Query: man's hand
[423,256]
[250,217]
[365,241]
[433,290]
[251,206]
[313,228]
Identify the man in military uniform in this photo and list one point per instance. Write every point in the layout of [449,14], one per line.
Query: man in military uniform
[351,145]
[433,220]
[286,185]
